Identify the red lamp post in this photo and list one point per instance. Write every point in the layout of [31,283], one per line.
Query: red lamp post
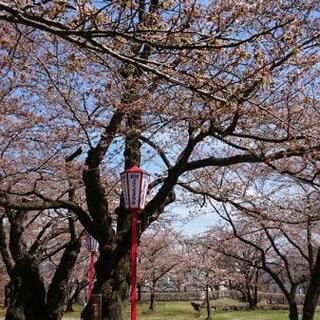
[134,183]
[92,246]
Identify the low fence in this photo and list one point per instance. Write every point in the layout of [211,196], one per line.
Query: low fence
[263,297]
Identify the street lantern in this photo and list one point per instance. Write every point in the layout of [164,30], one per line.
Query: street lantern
[92,247]
[92,244]
[134,182]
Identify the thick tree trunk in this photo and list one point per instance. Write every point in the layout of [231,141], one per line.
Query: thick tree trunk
[58,289]
[153,295]
[244,295]
[249,296]
[255,298]
[27,301]
[252,296]
[293,309]
[250,301]
[139,292]
[311,300]
[313,292]
[113,282]
[208,303]
[152,301]
[7,295]
[15,309]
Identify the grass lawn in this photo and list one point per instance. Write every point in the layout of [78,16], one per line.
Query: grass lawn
[184,311]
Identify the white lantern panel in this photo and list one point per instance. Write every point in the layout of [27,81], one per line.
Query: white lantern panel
[134,179]
[144,190]
[92,244]
[124,184]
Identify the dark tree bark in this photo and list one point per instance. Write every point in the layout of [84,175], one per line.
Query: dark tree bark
[152,301]
[152,296]
[27,300]
[139,292]
[249,290]
[7,295]
[58,289]
[252,291]
[113,282]
[293,282]
[208,303]
[313,292]
[113,265]
[115,288]
[293,309]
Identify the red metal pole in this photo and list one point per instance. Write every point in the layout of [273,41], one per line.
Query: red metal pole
[91,274]
[134,254]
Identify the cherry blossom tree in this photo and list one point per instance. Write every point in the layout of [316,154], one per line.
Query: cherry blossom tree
[285,264]
[27,257]
[183,85]
[159,255]
[244,273]
[285,249]
[208,267]
[79,278]
[30,243]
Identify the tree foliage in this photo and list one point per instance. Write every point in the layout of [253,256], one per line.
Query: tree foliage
[181,86]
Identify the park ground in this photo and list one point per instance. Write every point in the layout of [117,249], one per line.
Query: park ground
[184,311]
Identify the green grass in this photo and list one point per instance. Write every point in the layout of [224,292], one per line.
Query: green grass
[252,315]
[226,302]
[75,314]
[172,310]
[184,311]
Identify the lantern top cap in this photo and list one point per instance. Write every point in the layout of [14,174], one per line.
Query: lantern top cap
[134,169]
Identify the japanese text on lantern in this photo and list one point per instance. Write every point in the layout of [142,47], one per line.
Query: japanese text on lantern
[143,193]
[124,190]
[134,183]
